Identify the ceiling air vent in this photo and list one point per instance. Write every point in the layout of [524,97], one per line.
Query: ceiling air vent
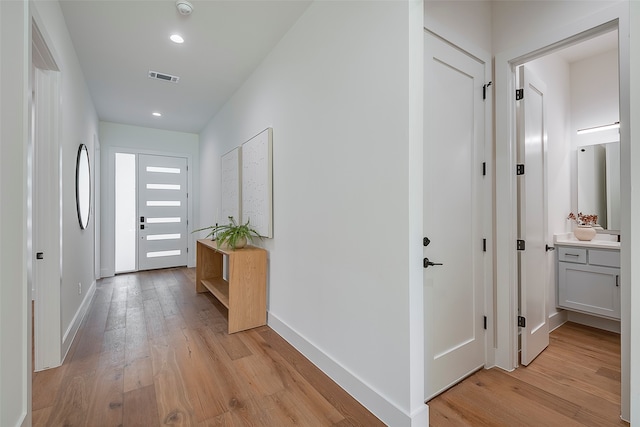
[162,76]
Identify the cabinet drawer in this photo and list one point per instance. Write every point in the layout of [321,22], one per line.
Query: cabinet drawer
[569,254]
[604,258]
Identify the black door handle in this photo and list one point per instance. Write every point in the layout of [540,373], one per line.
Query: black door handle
[39,255]
[426,263]
[549,248]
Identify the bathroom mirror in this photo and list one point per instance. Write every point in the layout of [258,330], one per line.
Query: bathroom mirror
[599,183]
[83,186]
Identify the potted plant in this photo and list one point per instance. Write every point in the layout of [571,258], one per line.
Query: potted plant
[584,225]
[232,235]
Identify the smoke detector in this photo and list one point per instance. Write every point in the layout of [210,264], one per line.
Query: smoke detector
[184,7]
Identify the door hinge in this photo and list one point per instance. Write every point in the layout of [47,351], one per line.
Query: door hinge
[484,168]
[484,90]
[520,244]
[187,250]
[484,245]
[519,94]
[522,322]
[520,169]
[485,323]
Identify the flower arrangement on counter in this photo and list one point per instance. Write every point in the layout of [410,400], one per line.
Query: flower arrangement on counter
[582,219]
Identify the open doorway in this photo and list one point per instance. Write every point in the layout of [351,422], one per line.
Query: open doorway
[576,78]
[583,175]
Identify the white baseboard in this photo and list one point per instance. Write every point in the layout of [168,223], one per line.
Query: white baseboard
[385,410]
[595,321]
[71,331]
[557,319]
[107,272]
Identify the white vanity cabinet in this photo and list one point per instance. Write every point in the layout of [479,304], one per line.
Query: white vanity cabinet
[589,280]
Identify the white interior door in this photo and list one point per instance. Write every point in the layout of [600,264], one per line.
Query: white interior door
[162,211]
[46,221]
[532,195]
[453,214]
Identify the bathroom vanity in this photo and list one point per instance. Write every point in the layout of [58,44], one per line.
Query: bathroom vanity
[588,274]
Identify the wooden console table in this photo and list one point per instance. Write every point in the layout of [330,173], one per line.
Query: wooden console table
[245,292]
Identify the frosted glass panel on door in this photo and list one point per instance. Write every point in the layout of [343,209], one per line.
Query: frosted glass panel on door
[125,212]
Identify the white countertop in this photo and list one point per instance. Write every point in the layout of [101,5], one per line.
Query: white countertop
[602,241]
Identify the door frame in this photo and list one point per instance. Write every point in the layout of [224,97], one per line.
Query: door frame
[616,16]
[107,266]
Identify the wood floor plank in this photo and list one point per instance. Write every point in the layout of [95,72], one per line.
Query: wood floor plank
[45,386]
[174,406]
[140,407]
[203,390]
[138,373]
[154,318]
[105,398]
[136,343]
[71,402]
[40,417]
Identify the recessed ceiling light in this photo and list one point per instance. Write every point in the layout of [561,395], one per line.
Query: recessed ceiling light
[176,38]
[156,114]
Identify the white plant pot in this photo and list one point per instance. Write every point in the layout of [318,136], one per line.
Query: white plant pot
[584,232]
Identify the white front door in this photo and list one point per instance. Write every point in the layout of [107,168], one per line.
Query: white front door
[532,210]
[453,214]
[162,211]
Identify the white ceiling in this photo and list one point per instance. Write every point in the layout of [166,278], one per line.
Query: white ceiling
[118,42]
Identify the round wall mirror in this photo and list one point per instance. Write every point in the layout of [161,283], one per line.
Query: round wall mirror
[83,186]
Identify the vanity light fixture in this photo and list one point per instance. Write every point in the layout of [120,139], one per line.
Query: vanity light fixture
[615,125]
[176,38]
[155,113]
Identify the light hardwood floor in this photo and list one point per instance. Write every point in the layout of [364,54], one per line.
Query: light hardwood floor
[574,382]
[152,352]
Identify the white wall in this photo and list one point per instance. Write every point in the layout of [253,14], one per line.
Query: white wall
[79,125]
[464,23]
[15,300]
[594,97]
[555,73]
[114,137]
[336,92]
